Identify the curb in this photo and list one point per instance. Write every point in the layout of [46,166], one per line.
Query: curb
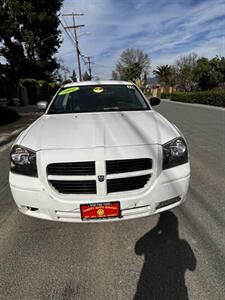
[196,105]
[9,137]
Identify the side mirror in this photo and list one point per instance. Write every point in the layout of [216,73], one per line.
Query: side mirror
[154,101]
[42,105]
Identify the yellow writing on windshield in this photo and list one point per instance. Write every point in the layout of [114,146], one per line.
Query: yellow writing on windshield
[98,89]
[69,90]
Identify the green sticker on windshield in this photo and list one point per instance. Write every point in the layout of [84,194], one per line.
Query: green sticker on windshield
[69,90]
[98,89]
[130,86]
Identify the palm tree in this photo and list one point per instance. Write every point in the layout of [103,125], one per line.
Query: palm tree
[164,74]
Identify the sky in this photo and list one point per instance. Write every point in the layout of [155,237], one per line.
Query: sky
[164,29]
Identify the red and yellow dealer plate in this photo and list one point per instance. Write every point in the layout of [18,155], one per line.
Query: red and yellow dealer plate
[100,210]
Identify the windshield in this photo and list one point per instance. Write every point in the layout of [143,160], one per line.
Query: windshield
[92,98]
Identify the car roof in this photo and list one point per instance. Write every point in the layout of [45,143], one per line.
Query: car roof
[98,82]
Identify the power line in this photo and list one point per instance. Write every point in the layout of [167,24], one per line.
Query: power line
[63,27]
[66,53]
[82,57]
[68,32]
[89,62]
[74,27]
[84,61]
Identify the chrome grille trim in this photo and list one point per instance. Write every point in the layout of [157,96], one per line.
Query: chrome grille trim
[83,177]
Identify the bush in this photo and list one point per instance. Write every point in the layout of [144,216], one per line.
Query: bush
[147,93]
[42,90]
[8,90]
[165,95]
[39,90]
[53,88]
[7,115]
[32,89]
[46,90]
[216,98]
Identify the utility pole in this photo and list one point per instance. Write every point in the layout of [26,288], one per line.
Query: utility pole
[89,62]
[74,27]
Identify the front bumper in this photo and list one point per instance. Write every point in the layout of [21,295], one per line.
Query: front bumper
[33,199]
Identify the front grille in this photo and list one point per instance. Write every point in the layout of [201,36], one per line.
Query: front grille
[88,185]
[127,184]
[74,187]
[72,168]
[128,165]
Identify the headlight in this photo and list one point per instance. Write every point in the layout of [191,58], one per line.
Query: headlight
[23,161]
[174,153]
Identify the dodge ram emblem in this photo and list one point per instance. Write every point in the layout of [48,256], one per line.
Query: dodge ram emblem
[101,178]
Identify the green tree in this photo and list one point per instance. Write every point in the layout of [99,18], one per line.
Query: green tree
[74,76]
[185,66]
[86,76]
[29,38]
[145,78]
[218,64]
[133,64]
[133,71]
[164,74]
[115,75]
[208,73]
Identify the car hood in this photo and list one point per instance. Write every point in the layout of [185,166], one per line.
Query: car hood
[90,130]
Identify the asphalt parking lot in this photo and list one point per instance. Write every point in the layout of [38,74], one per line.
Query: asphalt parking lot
[180,256]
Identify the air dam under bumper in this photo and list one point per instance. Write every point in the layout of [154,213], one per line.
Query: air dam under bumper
[170,186]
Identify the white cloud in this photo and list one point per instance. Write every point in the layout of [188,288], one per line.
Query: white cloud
[163,29]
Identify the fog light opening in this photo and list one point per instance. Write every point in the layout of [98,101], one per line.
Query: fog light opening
[168,202]
[32,208]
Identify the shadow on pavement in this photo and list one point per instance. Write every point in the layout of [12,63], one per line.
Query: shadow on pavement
[7,115]
[167,257]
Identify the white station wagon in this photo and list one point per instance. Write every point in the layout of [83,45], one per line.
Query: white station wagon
[99,153]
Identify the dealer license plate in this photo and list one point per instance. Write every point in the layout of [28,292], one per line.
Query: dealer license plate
[100,210]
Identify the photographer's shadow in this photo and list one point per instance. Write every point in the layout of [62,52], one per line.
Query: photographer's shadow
[167,257]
